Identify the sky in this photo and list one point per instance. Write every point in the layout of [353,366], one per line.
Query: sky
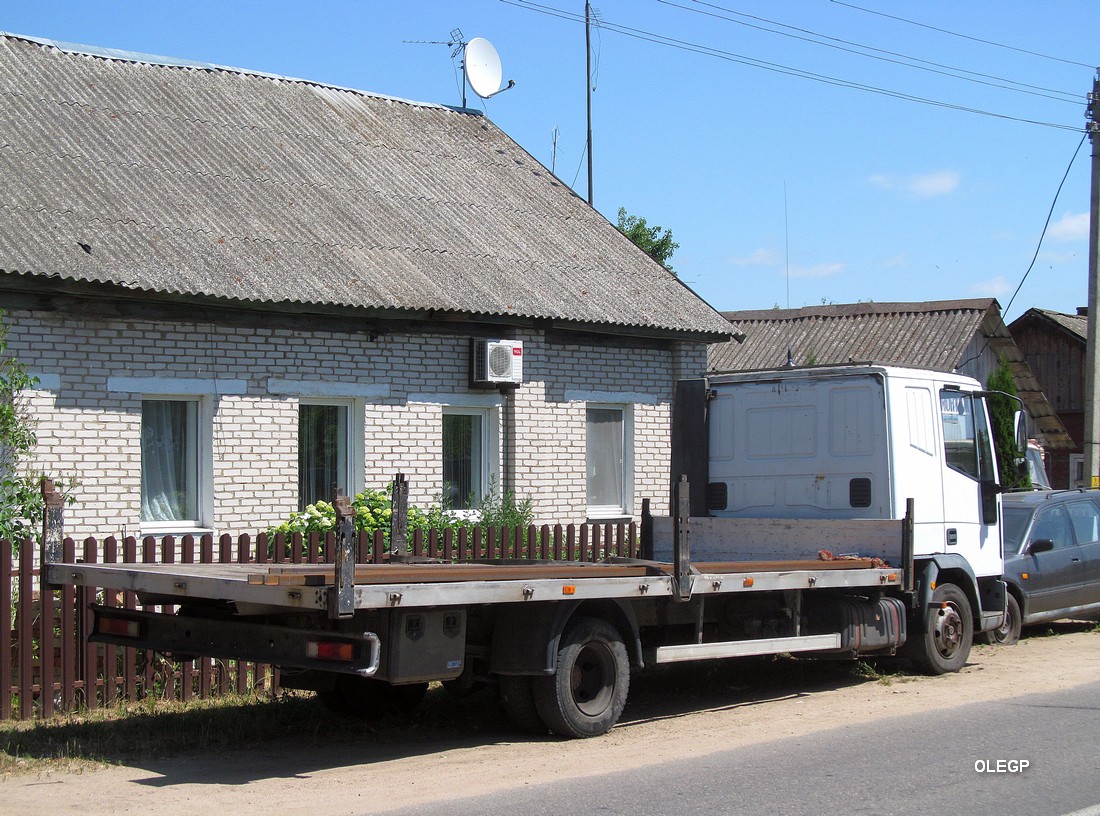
[801,151]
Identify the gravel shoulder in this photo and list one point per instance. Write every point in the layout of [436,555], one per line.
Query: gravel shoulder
[675,713]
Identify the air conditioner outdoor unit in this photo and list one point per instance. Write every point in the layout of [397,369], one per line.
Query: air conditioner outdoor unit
[496,362]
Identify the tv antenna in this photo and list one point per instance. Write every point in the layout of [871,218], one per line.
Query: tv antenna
[480,64]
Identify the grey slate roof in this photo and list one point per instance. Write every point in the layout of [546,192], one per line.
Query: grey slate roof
[928,335]
[941,335]
[201,183]
[1075,324]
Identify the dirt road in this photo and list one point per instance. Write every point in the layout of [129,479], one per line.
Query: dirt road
[676,713]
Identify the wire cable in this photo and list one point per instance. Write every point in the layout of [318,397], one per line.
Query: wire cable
[963,36]
[683,45]
[888,56]
[1046,224]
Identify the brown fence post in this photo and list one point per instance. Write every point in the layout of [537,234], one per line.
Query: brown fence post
[26,630]
[5,631]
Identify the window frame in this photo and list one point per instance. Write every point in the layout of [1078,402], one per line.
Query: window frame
[352,480]
[488,453]
[202,449]
[605,512]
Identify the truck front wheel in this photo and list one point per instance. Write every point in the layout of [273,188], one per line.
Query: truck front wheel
[585,695]
[944,646]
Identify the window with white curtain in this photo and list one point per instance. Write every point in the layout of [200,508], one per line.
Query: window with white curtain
[170,462]
[607,460]
[324,445]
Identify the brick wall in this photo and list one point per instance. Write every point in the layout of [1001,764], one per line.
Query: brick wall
[94,372]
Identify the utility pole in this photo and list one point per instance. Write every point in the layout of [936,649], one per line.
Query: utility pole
[588,86]
[1092,382]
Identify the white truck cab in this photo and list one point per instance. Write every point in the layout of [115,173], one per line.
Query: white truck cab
[858,441]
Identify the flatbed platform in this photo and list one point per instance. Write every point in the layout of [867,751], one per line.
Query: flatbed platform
[307,586]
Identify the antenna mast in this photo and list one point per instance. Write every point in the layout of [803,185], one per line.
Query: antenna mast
[588,86]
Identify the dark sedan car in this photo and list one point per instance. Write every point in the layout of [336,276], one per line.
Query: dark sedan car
[1052,559]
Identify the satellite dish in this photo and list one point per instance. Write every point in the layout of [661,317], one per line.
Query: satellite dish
[483,70]
[482,66]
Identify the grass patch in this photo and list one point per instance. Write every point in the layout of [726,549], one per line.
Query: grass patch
[151,729]
[156,730]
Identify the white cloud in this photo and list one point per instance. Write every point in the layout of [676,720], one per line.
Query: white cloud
[1070,227]
[822,270]
[931,185]
[926,185]
[994,287]
[761,257]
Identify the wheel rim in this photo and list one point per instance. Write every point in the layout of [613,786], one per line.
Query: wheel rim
[948,631]
[592,681]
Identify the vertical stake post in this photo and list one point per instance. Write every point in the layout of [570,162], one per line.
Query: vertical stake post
[53,524]
[341,602]
[399,519]
[681,540]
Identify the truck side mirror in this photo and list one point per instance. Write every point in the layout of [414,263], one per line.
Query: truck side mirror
[1039,545]
[1019,423]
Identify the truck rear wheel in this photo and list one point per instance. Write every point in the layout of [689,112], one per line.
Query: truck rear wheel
[945,644]
[585,695]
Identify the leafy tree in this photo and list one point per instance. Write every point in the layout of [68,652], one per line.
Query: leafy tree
[20,501]
[656,242]
[1001,416]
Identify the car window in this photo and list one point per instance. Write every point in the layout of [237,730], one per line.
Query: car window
[1053,525]
[1086,521]
[1015,523]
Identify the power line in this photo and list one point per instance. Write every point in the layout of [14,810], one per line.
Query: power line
[1038,246]
[963,36]
[1046,224]
[860,49]
[729,56]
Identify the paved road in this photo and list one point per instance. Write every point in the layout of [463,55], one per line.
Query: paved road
[968,760]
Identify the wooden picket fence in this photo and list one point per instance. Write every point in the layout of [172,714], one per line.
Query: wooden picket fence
[47,665]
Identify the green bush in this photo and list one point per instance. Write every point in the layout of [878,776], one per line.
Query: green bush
[374,510]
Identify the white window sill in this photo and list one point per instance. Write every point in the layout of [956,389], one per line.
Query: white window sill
[162,530]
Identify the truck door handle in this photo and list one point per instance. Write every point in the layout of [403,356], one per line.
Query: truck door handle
[952,537]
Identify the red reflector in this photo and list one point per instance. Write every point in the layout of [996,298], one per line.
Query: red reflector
[119,627]
[331,650]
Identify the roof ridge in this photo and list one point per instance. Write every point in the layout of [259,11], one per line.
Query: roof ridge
[870,308]
[121,55]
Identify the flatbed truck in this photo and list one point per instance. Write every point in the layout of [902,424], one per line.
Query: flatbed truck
[559,639]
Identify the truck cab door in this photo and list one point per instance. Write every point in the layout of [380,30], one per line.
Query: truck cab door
[970,490]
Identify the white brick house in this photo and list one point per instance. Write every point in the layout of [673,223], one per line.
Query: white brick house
[237,290]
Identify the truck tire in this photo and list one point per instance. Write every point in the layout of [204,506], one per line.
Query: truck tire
[585,695]
[1008,633]
[945,645]
[517,698]
[368,699]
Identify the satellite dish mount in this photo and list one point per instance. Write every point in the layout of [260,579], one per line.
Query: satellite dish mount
[481,68]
